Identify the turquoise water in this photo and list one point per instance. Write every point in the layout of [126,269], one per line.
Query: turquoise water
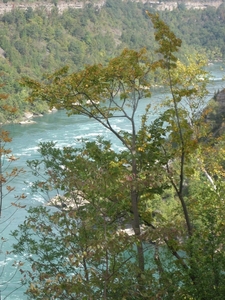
[65,131]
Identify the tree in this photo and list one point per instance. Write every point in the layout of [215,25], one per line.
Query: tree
[127,75]
[176,249]
[7,174]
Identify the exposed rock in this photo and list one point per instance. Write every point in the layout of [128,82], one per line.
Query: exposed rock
[2,53]
[52,110]
[64,5]
[47,6]
[130,231]
[28,115]
[64,203]
[25,122]
[27,119]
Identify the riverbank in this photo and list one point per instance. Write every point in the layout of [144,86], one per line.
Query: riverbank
[28,117]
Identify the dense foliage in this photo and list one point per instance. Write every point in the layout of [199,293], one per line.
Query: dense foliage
[166,184]
[36,42]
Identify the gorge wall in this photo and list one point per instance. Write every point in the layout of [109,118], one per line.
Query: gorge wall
[63,5]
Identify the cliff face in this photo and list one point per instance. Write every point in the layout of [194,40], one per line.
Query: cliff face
[171,5]
[63,5]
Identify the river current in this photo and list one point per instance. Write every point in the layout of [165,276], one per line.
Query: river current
[65,131]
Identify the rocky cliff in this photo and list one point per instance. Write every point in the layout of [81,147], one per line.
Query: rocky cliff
[63,5]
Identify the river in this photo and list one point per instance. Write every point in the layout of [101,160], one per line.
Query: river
[65,131]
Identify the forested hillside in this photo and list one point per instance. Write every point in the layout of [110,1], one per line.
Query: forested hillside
[33,42]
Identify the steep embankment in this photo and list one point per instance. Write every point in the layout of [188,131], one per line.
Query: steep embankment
[215,113]
[64,5]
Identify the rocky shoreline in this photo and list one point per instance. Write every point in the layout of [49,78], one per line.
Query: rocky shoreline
[28,117]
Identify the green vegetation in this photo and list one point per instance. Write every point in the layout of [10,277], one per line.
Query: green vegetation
[167,184]
[8,172]
[37,42]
